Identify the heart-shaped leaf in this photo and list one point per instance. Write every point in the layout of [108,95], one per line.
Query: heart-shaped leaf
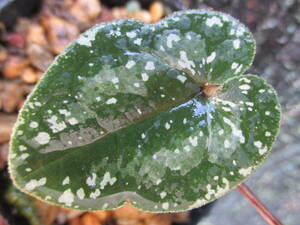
[119,116]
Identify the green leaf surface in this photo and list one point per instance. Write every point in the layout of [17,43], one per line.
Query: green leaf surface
[118,116]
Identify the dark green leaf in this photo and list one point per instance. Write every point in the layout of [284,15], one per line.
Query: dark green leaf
[118,116]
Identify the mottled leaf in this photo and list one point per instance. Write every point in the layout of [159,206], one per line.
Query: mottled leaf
[119,116]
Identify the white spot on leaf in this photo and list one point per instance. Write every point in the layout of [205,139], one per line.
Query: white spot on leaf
[267,134]
[67,197]
[171,38]
[115,80]
[138,41]
[95,194]
[226,144]
[143,136]
[163,194]
[64,112]
[91,181]
[130,64]
[235,131]
[73,121]
[167,126]
[184,62]
[87,38]
[80,193]
[245,171]
[165,205]
[181,78]
[211,57]
[150,66]
[145,76]
[42,138]
[32,184]
[131,34]
[107,179]
[234,65]
[214,21]
[258,144]
[33,124]
[22,148]
[263,150]
[24,156]
[236,43]
[244,87]
[193,141]
[111,101]
[66,181]
[55,126]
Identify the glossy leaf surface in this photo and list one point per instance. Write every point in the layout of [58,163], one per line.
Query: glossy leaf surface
[118,117]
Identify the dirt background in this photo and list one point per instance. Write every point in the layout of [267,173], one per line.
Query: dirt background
[276,28]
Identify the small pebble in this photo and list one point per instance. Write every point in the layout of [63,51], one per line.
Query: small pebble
[156,11]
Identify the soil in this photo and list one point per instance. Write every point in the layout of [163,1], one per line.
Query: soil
[31,36]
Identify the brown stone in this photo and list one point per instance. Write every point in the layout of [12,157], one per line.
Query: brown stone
[40,57]
[157,11]
[72,213]
[13,67]
[181,217]
[16,39]
[127,212]
[22,25]
[102,215]
[3,54]
[159,219]
[29,76]
[119,13]
[3,155]
[142,15]
[47,213]
[60,32]
[84,11]
[36,34]
[7,122]
[75,221]
[11,94]
[105,15]
[89,219]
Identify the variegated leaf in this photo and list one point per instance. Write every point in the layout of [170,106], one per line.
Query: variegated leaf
[119,116]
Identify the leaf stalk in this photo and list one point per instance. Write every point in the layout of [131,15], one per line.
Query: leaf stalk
[258,205]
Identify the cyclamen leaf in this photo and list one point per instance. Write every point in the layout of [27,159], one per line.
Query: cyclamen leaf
[118,117]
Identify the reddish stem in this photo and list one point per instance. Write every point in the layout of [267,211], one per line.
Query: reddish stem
[258,205]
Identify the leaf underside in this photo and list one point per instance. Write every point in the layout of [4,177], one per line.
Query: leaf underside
[118,117]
